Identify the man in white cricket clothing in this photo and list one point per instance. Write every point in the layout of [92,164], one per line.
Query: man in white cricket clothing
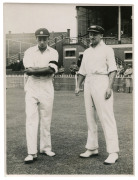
[98,69]
[41,62]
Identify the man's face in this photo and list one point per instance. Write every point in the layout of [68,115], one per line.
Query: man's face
[95,38]
[42,41]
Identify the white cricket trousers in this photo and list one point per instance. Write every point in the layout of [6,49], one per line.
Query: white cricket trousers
[95,104]
[38,92]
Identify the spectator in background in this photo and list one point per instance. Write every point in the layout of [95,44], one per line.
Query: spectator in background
[73,68]
[17,65]
[21,66]
[61,70]
[121,70]
[118,69]
[13,66]
[128,80]
[128,71]
[79,60]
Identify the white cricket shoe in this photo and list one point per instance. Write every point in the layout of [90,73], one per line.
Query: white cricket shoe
[30,158]
[112,158]
[89,153]
[48,153]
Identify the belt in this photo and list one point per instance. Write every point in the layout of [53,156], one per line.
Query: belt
[41,78]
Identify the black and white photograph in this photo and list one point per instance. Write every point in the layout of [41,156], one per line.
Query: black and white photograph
[69,89]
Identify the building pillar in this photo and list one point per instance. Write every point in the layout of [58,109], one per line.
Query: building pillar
[20,51]
[8,53]
[76,22]
[119,25]
[68,32]
[55,43]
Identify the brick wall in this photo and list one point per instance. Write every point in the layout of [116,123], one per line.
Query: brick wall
[67,61]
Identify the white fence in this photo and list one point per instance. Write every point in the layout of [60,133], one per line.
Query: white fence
[18,80]
[68,82]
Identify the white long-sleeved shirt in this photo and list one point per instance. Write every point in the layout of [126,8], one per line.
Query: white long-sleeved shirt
[34,58]
[98,60]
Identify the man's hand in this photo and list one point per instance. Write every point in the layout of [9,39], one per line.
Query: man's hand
[77,91]
[108,93]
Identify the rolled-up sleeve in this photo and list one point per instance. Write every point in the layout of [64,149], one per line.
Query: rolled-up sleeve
[82,69]
[111,63]
[53,63]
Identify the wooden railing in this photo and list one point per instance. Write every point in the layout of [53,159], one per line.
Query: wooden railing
[108,40]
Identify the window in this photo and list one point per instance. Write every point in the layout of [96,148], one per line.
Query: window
[128,55]
[70,53]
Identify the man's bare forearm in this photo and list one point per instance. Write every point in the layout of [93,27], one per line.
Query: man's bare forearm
[40,71]
[43,71]
[112,76]
[80,80]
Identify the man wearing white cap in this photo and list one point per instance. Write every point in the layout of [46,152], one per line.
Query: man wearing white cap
[41,62]
[98,68]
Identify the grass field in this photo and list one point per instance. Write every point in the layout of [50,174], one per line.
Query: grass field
[69,134]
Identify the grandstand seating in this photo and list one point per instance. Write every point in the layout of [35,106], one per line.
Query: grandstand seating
[15,48]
